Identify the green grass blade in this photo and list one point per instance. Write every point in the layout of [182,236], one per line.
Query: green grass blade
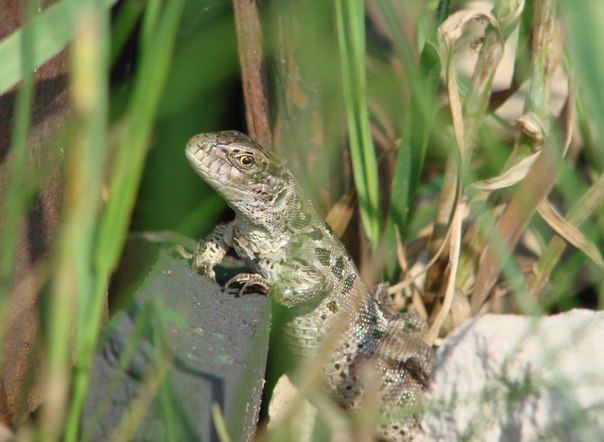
[586,35]
[16,195]
[412,147]
[55,28]
[351,37]
[75,276]
[424,81]
[123,185]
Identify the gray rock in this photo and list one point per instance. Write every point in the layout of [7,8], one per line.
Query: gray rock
[180,346]
[516,378]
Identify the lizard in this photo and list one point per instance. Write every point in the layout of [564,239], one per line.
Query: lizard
[303,266]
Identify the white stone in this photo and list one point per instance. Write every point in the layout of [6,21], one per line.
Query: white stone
[515,378]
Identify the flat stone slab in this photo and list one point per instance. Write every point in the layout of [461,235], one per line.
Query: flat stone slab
[180,346]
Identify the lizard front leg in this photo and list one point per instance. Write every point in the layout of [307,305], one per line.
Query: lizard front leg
[212,249]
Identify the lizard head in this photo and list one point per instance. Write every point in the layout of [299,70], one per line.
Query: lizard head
[247,176]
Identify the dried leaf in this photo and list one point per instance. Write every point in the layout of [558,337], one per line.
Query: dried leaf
[454,251]
[465,130]
[508,12]
[532,127]
[460,309]
[512,176]
[340,214]
[542,175]
[569,232]
[586,205]
[448,34]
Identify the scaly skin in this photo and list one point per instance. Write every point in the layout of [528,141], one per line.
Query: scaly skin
[305,268]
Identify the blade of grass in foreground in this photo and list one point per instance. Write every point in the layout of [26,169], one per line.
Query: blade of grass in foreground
[424,80]
[586,34]
[55,31]
[73,277]
[418,125]
[351,37]
[15,195]
[123,184]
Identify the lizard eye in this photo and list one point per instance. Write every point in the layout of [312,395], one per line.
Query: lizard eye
[246,161]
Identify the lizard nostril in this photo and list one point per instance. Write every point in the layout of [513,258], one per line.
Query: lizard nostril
[200,142]
[194,143]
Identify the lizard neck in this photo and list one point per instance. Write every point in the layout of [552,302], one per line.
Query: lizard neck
[286,215]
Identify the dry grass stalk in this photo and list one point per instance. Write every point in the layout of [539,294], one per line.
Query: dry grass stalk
[542,175]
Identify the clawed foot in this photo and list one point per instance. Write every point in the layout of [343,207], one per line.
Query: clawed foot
[203,268]
[179,250]
[248,280]
[206,268]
